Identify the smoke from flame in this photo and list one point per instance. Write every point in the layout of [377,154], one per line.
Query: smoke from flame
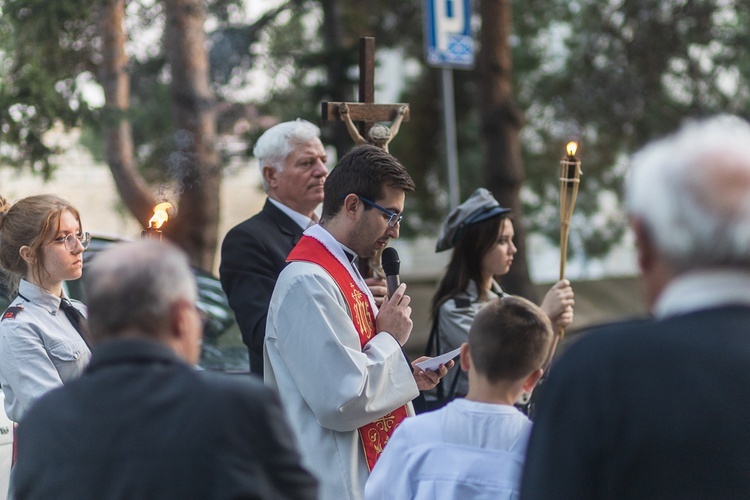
[160,215]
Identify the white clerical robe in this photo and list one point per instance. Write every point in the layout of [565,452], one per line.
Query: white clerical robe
[328,384]
[466,449]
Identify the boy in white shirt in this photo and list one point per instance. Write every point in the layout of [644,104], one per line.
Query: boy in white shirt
[473,447]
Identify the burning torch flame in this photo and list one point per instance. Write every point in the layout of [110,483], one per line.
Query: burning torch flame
[160,215]
[571,148]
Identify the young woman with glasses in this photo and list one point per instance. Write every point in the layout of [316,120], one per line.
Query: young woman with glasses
[43,342]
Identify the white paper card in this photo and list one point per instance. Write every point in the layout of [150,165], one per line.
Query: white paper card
[434,363]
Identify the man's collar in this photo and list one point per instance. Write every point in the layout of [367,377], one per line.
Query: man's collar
[131,350]
[339,251]
[349,254]
[703,289]
[301,220]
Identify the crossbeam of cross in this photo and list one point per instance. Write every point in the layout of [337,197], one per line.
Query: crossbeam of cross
[365,112]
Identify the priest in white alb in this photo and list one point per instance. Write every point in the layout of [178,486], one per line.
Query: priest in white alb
[335,359]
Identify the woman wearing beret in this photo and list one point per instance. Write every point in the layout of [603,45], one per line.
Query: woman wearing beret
[480,232]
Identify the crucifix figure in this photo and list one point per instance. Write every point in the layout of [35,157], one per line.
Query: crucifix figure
[366,112]
[379,135]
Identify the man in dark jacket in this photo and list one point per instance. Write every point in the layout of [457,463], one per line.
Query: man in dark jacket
[660,408]
[292,161]
[142,422]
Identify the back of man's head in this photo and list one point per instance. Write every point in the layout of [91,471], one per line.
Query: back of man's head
[365,171]
[131,287]
[691,192]
[509,339]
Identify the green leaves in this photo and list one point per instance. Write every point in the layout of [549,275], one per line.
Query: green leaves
[624,73]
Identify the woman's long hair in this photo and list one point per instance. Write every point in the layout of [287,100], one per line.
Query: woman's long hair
[466,261]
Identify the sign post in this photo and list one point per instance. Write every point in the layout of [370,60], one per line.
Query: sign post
[449,44]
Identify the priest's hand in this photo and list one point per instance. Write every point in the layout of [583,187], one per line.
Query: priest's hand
[394,316]
[378,289]
[427,380]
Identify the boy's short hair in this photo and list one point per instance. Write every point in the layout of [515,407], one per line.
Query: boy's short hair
[509,339]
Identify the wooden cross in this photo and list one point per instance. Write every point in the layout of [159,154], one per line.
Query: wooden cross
[366,112]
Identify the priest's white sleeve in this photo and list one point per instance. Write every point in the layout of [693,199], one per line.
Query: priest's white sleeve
[312,347]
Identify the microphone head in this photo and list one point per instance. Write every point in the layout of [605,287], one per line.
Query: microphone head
[390,261]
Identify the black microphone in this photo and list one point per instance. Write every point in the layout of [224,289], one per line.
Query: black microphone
[391,265]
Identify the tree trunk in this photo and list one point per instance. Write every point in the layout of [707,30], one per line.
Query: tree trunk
[195,161]
[501,126]
[118,139]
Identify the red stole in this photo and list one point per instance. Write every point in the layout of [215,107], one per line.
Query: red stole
[374,435]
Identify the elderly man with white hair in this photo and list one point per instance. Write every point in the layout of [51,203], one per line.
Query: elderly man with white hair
[292,164]
[660,408]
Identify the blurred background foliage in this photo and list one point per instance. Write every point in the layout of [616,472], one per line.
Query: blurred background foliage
[613,74]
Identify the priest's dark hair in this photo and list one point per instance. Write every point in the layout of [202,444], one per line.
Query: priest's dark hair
[365,171]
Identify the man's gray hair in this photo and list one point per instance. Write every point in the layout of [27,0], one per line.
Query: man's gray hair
[130,287]
[278,141]
[692,191]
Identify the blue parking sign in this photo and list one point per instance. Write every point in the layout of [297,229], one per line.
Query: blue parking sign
[449,39]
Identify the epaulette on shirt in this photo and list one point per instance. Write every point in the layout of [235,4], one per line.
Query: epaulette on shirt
[11,312]
[462,303]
